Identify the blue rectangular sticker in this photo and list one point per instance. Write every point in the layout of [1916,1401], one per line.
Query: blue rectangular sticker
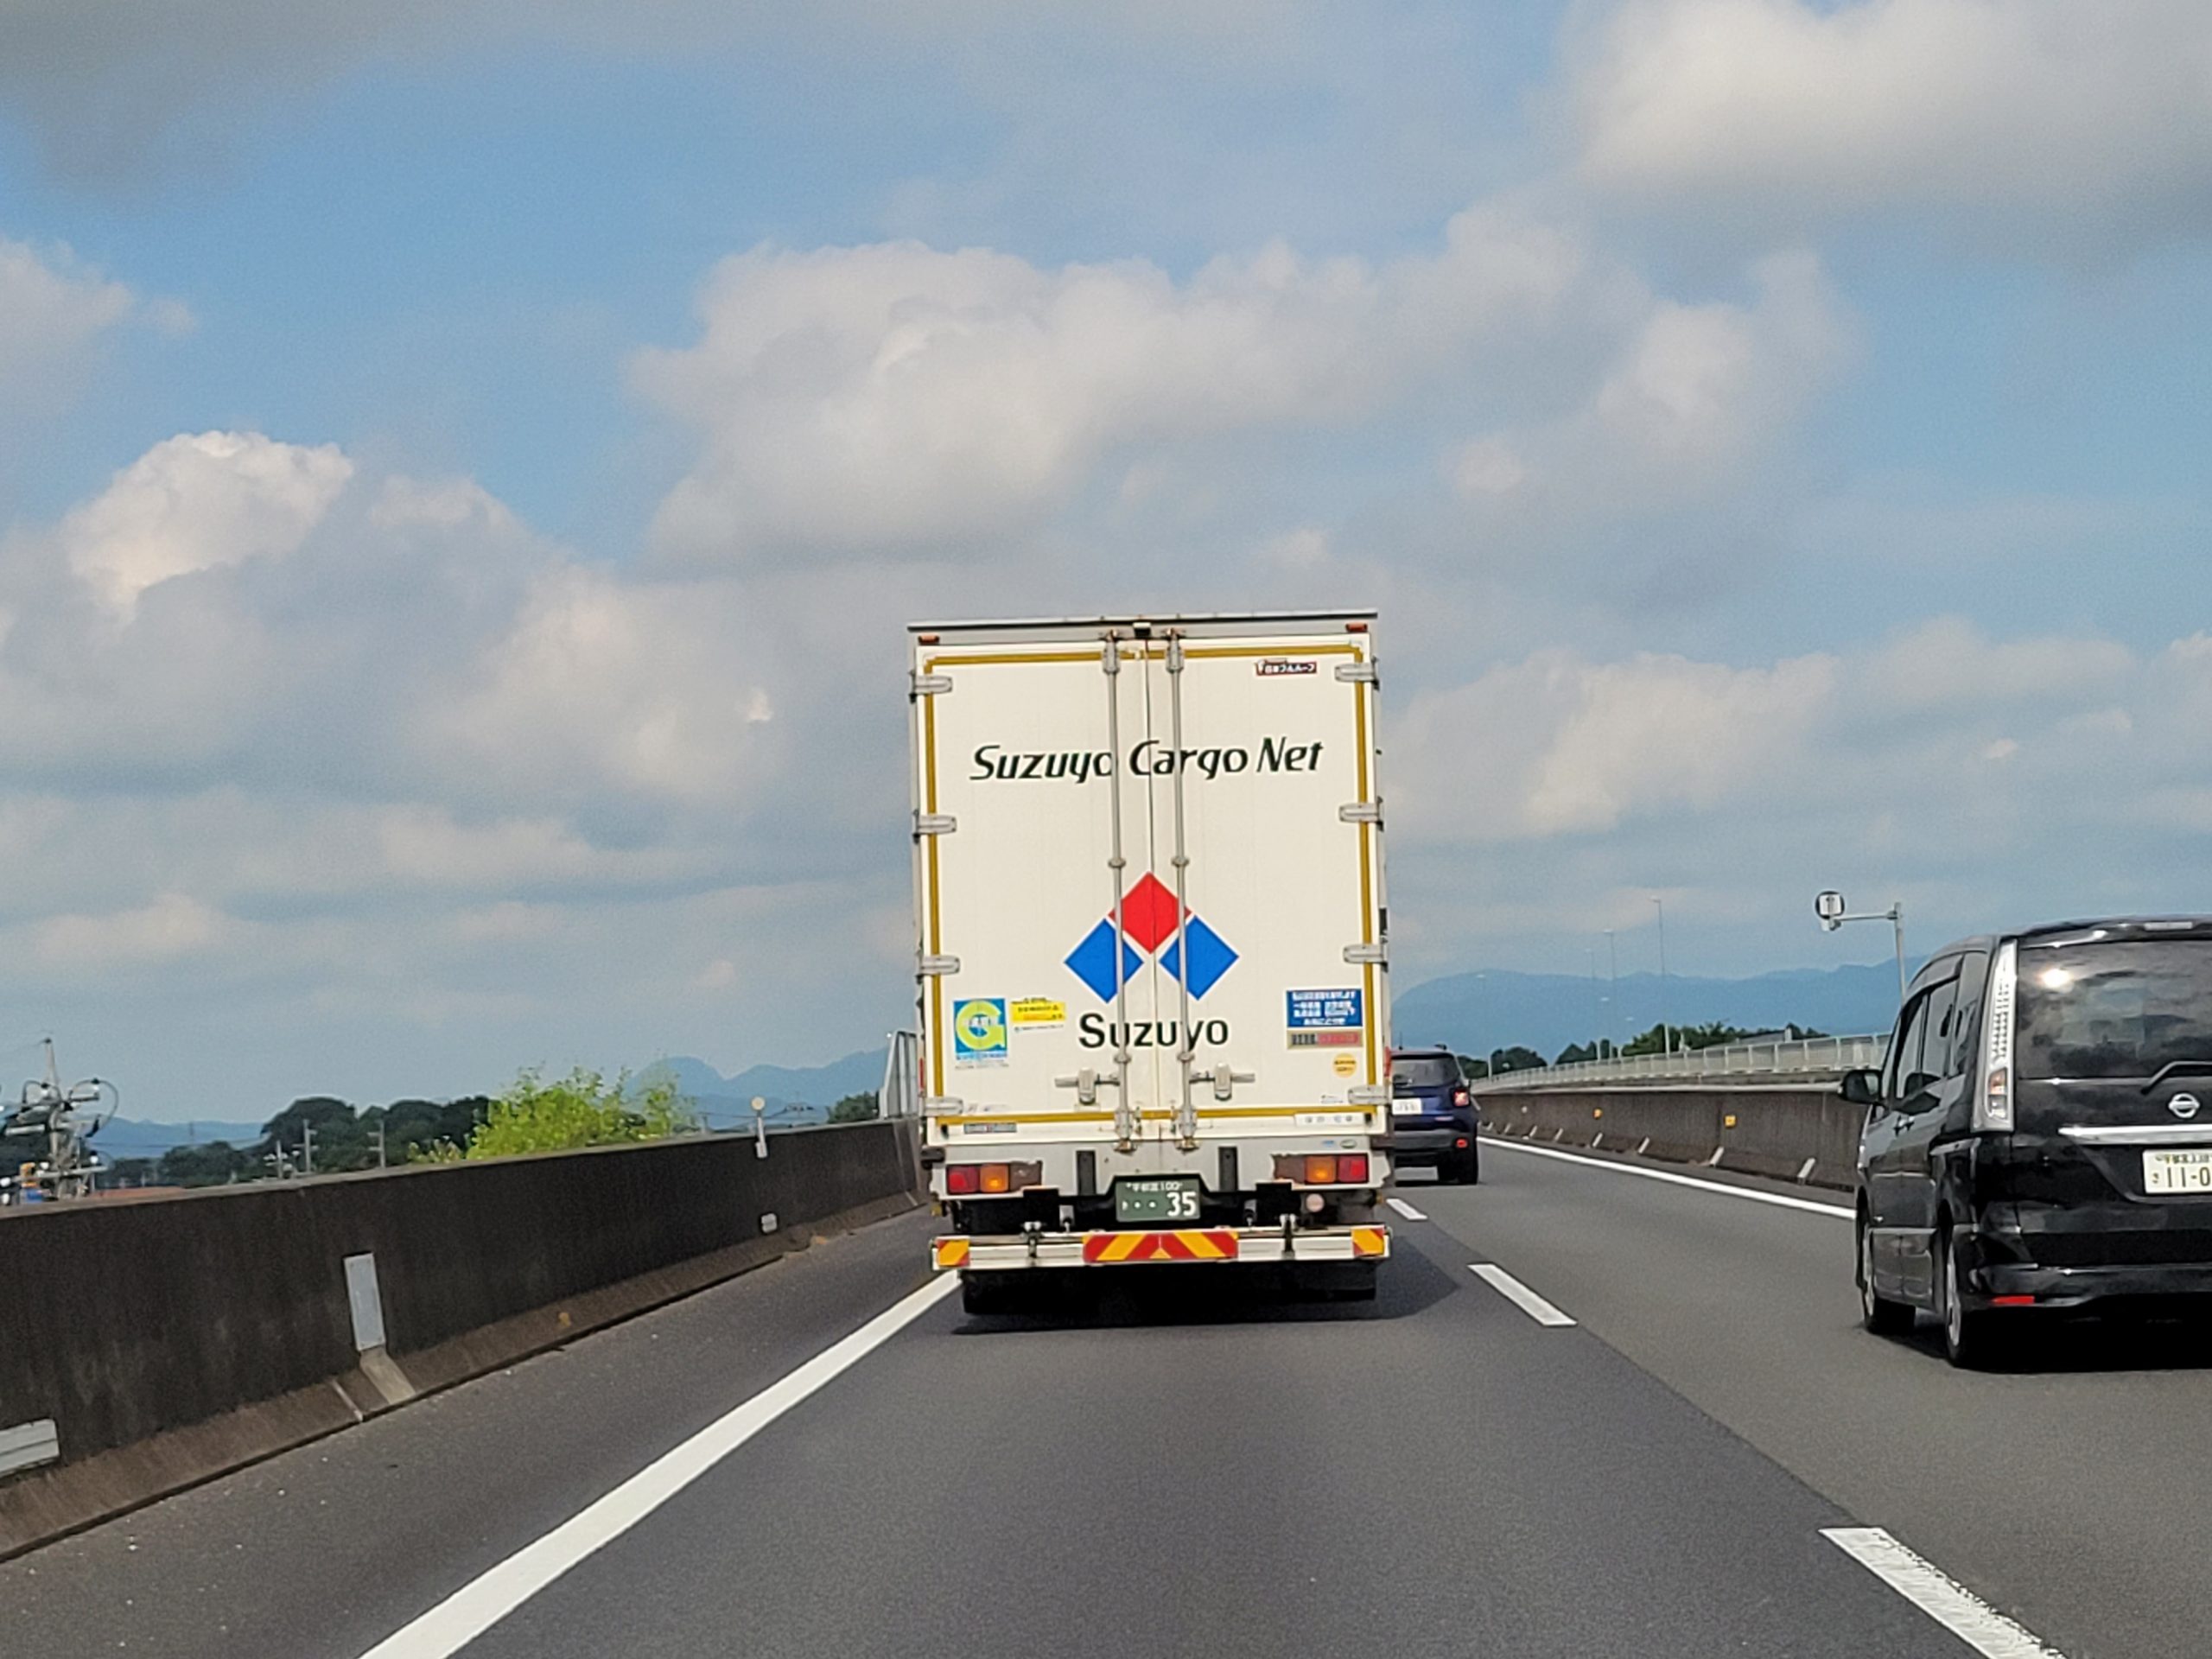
[1324,1010]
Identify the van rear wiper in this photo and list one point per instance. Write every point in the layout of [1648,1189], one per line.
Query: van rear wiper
[2187,1068]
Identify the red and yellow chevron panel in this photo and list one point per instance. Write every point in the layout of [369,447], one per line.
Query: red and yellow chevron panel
[1369,1241]
[1193,1245]
[948,1253]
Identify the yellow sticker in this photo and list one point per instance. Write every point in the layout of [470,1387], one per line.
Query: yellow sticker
[1345,1065]
[1036,1011]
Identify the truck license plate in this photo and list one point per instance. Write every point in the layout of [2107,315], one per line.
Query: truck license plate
[2177,1172]
[1173,1197]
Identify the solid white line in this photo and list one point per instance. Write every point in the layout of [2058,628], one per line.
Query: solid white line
[1517,1293]
[477,1606]
[1405,1209]
[1782,1199]
[1949,1602]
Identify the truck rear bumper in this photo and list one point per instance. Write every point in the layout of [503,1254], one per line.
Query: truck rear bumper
[1178,1246]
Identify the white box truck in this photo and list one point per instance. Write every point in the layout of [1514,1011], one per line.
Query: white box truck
[1150,915]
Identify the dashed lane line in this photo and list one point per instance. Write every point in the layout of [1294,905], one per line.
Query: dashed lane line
[1942,1598]
[1518,1293]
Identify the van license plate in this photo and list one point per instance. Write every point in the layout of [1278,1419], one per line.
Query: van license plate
[1173,1197]
[2177,1172]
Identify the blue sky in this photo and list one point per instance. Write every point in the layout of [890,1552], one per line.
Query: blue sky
[463,468]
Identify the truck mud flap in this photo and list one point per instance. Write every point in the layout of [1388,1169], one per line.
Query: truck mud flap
[1174,1247]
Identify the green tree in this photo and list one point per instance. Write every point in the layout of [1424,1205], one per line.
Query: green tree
[854,1109]
[340,1140]
[211,1163]
[412,1127]
[130,1171]
[1575,1053]
[581,1110]
[1516,1058]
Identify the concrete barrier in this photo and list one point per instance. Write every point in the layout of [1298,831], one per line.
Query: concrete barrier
[169,1340]
[1797,1133]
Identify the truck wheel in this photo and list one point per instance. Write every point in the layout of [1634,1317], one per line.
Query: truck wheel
[985,1294]
[1345,1282]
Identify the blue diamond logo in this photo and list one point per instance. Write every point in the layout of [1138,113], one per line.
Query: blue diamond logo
[1092,962]
[1210,956]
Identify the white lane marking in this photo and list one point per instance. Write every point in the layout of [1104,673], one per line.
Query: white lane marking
[1949,1602]
[1517,1293]
[1405,1209]
[477,1606]
[1782,1199]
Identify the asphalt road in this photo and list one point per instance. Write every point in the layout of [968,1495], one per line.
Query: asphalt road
[1177,1471]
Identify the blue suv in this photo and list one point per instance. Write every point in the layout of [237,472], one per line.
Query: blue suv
[1432,1116]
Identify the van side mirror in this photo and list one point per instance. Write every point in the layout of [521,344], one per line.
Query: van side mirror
[1863,1087]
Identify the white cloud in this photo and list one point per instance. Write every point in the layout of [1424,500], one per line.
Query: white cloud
[1557,745]
[50,309]
[893,396]
[1981,109]
[1695,393]
[196,503]
[173,927]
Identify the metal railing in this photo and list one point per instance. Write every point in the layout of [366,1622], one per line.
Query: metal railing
[1793,1057]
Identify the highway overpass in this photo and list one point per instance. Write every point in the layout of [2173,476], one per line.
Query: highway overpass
[1603,1406]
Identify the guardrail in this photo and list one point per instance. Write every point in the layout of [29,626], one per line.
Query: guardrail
[1796,1057]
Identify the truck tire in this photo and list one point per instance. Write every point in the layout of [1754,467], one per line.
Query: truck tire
[1344,1281]
[982,1294]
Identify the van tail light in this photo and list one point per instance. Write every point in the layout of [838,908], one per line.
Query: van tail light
[1993,1107]
[990,1179]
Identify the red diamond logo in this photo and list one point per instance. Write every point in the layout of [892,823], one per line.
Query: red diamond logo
[1148,912]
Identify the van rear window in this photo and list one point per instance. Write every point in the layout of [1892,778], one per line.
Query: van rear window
[1424,1071]
[2122,1009]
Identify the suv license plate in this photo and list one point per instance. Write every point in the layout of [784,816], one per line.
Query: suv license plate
[1173,1197]
[2177,1172]
[1409,1106]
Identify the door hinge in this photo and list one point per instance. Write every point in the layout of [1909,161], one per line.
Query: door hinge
[1368,1094]
[929,685]
[1361,954]
[1357,673]
[937,965]
[935,824]
[1361,812]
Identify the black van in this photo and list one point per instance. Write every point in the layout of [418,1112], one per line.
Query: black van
[2038,1139]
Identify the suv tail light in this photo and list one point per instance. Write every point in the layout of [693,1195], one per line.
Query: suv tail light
[1993,1106]
[1459,1097]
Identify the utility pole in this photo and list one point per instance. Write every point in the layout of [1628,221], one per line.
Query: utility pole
[1666,1033]
[307,1149]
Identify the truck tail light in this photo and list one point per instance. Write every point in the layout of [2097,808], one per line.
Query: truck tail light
[992,1179]
[1321,1168]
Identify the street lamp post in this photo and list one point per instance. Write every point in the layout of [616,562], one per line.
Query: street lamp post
[1834,913]
[1666,1033]
[1612,991]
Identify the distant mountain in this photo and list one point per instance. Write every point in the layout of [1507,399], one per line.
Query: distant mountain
[1474,1014]
[794,1094]
[132,1137]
